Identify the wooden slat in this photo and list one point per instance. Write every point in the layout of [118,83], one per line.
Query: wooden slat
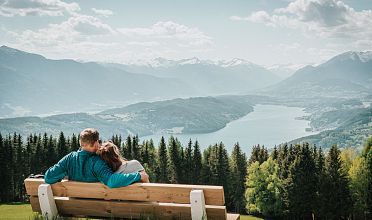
[128,209]
[233,216]
[151,192]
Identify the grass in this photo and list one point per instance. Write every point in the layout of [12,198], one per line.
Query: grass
[23,211]
[249,217]
[15,211]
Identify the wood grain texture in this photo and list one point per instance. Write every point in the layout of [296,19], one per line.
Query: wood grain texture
[149,192]
[127,209]
[233,216]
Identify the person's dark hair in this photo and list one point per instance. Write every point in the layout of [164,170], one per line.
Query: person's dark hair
[110,153]
[89,136]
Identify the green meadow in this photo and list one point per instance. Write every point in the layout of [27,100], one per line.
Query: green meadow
[23,211]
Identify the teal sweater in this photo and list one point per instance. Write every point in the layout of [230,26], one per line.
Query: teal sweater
[85,166]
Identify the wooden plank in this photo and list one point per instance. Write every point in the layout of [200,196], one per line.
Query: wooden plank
[127,209]
[233,216]
[150,192]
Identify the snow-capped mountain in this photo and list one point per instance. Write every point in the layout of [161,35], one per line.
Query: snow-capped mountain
[219,77]
[234,62]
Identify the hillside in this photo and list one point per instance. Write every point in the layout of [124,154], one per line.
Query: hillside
[349,128]
[32,84]
[194,115]
[347,75]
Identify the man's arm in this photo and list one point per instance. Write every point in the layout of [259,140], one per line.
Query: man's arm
[57,172]
[113,180]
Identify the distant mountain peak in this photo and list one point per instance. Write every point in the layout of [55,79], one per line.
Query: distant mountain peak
[193,60]
[235,62]
[12,51]
[364,57]
[160,62]
[9,49]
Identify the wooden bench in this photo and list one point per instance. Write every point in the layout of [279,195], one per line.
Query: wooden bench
[161,201]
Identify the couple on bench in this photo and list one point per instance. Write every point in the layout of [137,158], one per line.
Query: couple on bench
[96,163]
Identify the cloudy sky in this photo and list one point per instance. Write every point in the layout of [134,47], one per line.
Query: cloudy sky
[265,32]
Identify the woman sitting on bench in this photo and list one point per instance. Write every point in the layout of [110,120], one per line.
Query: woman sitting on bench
[110,153]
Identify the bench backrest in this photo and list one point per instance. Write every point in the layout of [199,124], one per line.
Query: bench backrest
[164,201]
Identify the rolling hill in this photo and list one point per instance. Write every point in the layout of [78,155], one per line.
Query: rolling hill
[193,115]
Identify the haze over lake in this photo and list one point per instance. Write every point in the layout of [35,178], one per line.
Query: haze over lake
[267,125]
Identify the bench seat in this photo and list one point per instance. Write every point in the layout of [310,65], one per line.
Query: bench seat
[163,201]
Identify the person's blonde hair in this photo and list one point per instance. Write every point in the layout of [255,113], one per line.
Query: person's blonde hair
[110,153]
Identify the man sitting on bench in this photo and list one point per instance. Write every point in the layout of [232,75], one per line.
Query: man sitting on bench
[85,165]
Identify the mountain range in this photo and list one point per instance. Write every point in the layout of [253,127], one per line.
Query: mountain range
[346,75]
[60,86]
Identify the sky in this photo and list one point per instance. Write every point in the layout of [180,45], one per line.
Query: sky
[265,32]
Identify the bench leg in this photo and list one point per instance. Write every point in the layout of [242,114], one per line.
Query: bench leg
[197,205]
[46,200]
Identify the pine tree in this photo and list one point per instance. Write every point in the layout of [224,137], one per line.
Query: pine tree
[8,177]
[320,208]
[3,170]
[188,166]
[18,164]
[53,151]
[136,151]
[62,147]
[116,140]
[263,155]
[150,159]
[259,154]
[338,200]
[74,143]
[238,166]
[223,171]
[208,173]
[127,150]
[44,152]
[181,173]
[174,152]
[37,158]
[284,162]
[162,175]
[301,186]
[254,154]
[197,164]
[275,153]
[145,153]
[28,155]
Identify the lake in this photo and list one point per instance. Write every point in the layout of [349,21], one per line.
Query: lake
[267,125]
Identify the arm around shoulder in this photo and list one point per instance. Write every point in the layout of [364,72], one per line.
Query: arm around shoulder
[113,180]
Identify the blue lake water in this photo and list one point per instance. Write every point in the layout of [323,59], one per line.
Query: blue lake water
[267,125]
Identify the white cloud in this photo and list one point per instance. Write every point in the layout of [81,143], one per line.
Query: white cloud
[89,38]
[79,35]
[325,18]
[11,8]
[74,29]
[146,44]
[102,12]
[170,30]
